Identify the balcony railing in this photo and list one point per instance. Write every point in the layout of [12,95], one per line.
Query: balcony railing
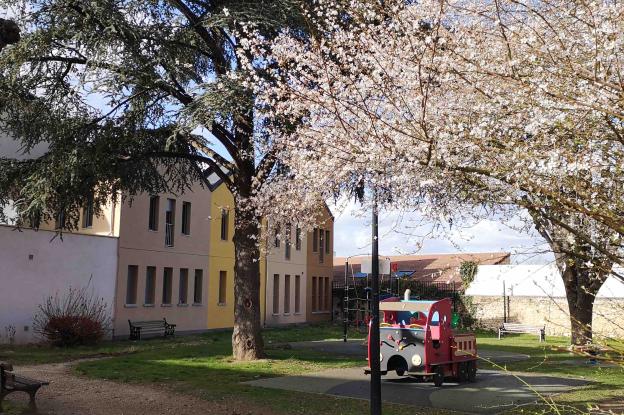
[168,234]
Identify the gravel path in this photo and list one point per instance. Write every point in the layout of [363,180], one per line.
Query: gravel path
[70,394]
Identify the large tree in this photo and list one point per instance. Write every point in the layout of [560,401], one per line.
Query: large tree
[454,104]
[135,96]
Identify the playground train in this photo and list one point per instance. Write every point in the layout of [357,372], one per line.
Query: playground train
[416,339]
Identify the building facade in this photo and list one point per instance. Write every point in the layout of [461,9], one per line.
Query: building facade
[163,271]
[319,268]
[167,256]
[286,278]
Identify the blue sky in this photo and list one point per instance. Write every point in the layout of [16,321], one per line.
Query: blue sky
[408,234]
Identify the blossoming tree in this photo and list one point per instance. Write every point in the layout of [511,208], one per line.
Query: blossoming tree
[454,104]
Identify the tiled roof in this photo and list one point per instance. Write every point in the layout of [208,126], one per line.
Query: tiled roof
[429,267]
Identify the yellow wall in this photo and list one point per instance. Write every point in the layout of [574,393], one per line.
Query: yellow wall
[221,258]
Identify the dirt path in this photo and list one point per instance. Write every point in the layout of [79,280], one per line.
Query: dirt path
[70,394]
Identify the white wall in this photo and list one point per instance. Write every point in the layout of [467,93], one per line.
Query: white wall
[531,280]
[33,267]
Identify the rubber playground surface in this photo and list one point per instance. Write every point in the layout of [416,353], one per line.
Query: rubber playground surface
[493,392]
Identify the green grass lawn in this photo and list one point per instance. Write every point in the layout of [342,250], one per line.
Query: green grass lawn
[552,358]
[203,365]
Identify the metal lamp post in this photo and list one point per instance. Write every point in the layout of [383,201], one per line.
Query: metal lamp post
[375,383]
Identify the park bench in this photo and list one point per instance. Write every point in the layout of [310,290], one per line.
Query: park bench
[522,328]
[139,328]
[10,382]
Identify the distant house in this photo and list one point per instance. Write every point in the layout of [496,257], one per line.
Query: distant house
[439,268]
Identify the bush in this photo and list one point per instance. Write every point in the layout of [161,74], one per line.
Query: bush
[78,318]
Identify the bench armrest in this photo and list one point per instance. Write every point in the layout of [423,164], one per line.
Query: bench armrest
[6,366]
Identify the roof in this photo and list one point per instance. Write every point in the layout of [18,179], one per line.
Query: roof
[428,267]
[531,280]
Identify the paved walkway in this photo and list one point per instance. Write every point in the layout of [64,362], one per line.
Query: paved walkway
[493,391]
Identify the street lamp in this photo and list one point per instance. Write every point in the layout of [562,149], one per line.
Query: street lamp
[375,383]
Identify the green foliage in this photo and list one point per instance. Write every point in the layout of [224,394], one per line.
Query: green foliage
[114,91]
[467,271]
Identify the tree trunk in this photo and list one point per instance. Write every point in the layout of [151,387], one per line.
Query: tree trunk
[581,320]
[247,343]
[581,285]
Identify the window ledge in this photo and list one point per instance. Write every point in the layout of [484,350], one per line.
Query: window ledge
[321,312]
[221,304]
[130,306]
[148,305]
[198,305]
[183,305]
[276,314]
[287,314]
[165,305]
[298,314]
[152,230]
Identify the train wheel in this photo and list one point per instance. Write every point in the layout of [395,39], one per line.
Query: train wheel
[462,372]
[472,371]
[438,378]
[400,372]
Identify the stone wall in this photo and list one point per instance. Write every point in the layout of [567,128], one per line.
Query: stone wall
[551,312]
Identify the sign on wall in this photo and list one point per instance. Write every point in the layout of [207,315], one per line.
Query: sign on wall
[384,265]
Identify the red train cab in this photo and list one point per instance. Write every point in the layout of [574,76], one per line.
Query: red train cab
[416,339]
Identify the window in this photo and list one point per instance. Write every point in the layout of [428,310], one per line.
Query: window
[327,244]
[186,218]
[315,240]
[314,291]
[183,288]
[277,237]
[287,244]
[297,294]
[286,294]
[131,285]
[197,289]
[276,294]
[150,286]
[59,222]
[153,213]
[321,245]
[169,222]
[87,214]
[298,238]
[321,294]
[167,285]
[225,218]
[222,287]
[34,220]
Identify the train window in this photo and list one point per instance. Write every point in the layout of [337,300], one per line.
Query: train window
[435,319]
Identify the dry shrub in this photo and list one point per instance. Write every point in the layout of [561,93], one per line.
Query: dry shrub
[77,318]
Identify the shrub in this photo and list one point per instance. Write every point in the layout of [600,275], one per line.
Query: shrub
[77,318]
